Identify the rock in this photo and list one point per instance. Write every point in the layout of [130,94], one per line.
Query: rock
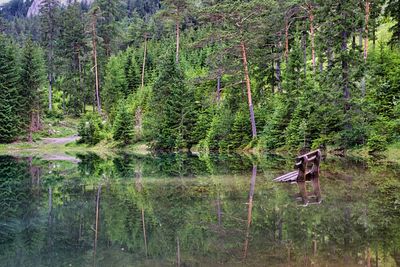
[34,9]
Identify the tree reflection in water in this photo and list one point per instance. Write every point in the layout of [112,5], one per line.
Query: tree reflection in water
[185,210]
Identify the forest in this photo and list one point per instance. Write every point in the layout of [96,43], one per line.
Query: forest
[204,75]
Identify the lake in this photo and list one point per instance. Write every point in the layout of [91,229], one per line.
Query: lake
[187,210]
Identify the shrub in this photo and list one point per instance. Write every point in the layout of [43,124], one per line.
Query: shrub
[90,129]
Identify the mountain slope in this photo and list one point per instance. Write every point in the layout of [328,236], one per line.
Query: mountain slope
[35,7]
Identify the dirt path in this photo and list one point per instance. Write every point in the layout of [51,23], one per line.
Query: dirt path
[60,140]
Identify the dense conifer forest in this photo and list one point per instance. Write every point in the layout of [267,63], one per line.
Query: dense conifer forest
[210,75]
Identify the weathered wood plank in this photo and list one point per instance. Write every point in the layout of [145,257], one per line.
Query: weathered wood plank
[291,176]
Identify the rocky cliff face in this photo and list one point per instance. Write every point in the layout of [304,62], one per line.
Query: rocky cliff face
[35,7]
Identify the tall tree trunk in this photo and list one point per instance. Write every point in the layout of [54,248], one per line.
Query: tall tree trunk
[367,11]
[50,76]
[279,74]
[81,88]
[329,55]
[218,97]
[286,39]
[96,71]
[304,47]
[373,34]
[248,86]
[177,39]
[345,70]
[311,18]
[144,58]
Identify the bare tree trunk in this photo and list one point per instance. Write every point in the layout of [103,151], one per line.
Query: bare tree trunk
[278,74]
[144,58]
[286,39]
[82,89]
[178,253]
[373,34]
[219,86]
[31,125]
[345,71]
[94,46]
[177,40]
[311,18]
[304,47]
[50,92]
[249,98]
[367,5]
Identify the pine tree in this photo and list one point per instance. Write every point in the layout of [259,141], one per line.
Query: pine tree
[32,78]
[123,128]
[171,120]
[9,119]
[48,22]
[110,10]
[132,73]
[115,85]
[393,10]
[176,10]
[72,48]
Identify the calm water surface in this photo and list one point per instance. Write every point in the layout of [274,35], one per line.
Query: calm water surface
[180,210]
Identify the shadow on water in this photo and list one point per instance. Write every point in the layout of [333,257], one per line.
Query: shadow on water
[184,210]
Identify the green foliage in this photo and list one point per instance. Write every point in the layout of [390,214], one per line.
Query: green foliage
[32,78]
[90,129]
[123,128]
[9,107]
[170,121]
[216,138]
[115,85]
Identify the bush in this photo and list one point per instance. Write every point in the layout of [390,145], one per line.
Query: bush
[123,128]
[90,129]
[376,143]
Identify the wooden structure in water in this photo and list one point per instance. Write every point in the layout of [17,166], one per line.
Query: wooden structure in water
[307,170]
[307,166]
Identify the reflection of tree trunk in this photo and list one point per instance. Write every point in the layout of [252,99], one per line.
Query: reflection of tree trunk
[249,210]
[144,232]
[50,220]
[139,188]
[96,229]
[219,213]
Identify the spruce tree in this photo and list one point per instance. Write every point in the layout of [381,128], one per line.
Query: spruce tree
[393,10]
[115,85]
[72,47]
[32,78]
[171,120]
[9,119]
[48,23]
[132,73]
[123,128]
